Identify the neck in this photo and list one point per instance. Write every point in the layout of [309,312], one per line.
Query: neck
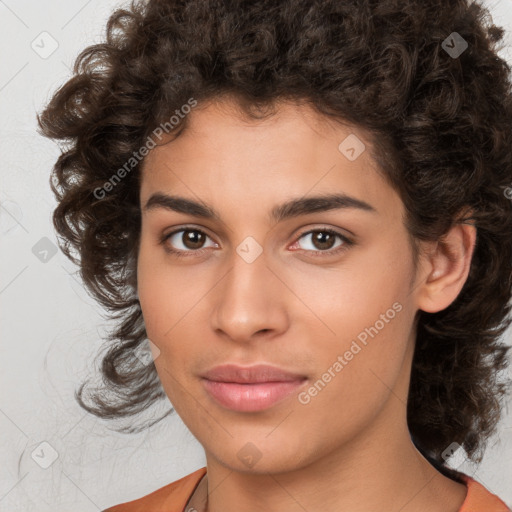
[372,473]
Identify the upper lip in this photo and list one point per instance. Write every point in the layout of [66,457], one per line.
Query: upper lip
[250,374]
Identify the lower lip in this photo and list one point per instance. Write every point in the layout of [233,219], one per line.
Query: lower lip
[250,397]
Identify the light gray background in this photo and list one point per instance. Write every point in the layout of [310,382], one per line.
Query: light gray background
[51,329]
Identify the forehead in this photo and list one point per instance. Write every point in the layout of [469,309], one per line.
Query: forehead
[222,155]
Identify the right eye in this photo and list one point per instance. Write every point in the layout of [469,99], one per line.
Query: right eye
[186,242]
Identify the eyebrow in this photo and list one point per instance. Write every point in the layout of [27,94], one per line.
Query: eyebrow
[289,209]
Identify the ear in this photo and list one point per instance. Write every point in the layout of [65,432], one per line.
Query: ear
[446,268]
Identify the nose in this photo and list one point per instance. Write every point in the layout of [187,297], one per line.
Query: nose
[250,302]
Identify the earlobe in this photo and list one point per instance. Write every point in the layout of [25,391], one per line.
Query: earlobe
[448,268]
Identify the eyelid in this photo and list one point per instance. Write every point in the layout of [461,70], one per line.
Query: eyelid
[188,227]
[329,229]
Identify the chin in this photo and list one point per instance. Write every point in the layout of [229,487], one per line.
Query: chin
[264,458]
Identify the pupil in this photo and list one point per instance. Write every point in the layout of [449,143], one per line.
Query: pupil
[323,240]
[193,239]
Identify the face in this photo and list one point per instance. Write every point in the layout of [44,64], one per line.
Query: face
[321,289]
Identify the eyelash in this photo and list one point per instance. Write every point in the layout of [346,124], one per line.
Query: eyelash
[347,243]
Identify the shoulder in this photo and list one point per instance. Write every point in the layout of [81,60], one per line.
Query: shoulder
[170,498]
[478,498]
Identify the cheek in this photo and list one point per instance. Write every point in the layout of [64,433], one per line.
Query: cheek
[367,308]
[166,293]
[175,316]
[358,293]
[355,381]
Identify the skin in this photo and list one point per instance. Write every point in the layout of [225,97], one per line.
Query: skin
[348,448]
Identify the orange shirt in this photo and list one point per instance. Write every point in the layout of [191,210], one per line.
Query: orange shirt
[174,496]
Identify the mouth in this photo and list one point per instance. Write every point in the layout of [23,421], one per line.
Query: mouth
[250,389]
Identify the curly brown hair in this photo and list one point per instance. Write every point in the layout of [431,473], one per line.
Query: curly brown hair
[441,124]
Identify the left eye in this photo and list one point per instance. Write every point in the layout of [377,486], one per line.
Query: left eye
[322,240]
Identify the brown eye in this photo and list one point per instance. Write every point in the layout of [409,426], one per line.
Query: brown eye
[193,239]
[323,242]
[187,240]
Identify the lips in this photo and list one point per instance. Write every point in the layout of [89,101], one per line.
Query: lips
[251,374]
[250,389]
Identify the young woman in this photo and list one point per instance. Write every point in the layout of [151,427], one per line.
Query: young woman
[305,208]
